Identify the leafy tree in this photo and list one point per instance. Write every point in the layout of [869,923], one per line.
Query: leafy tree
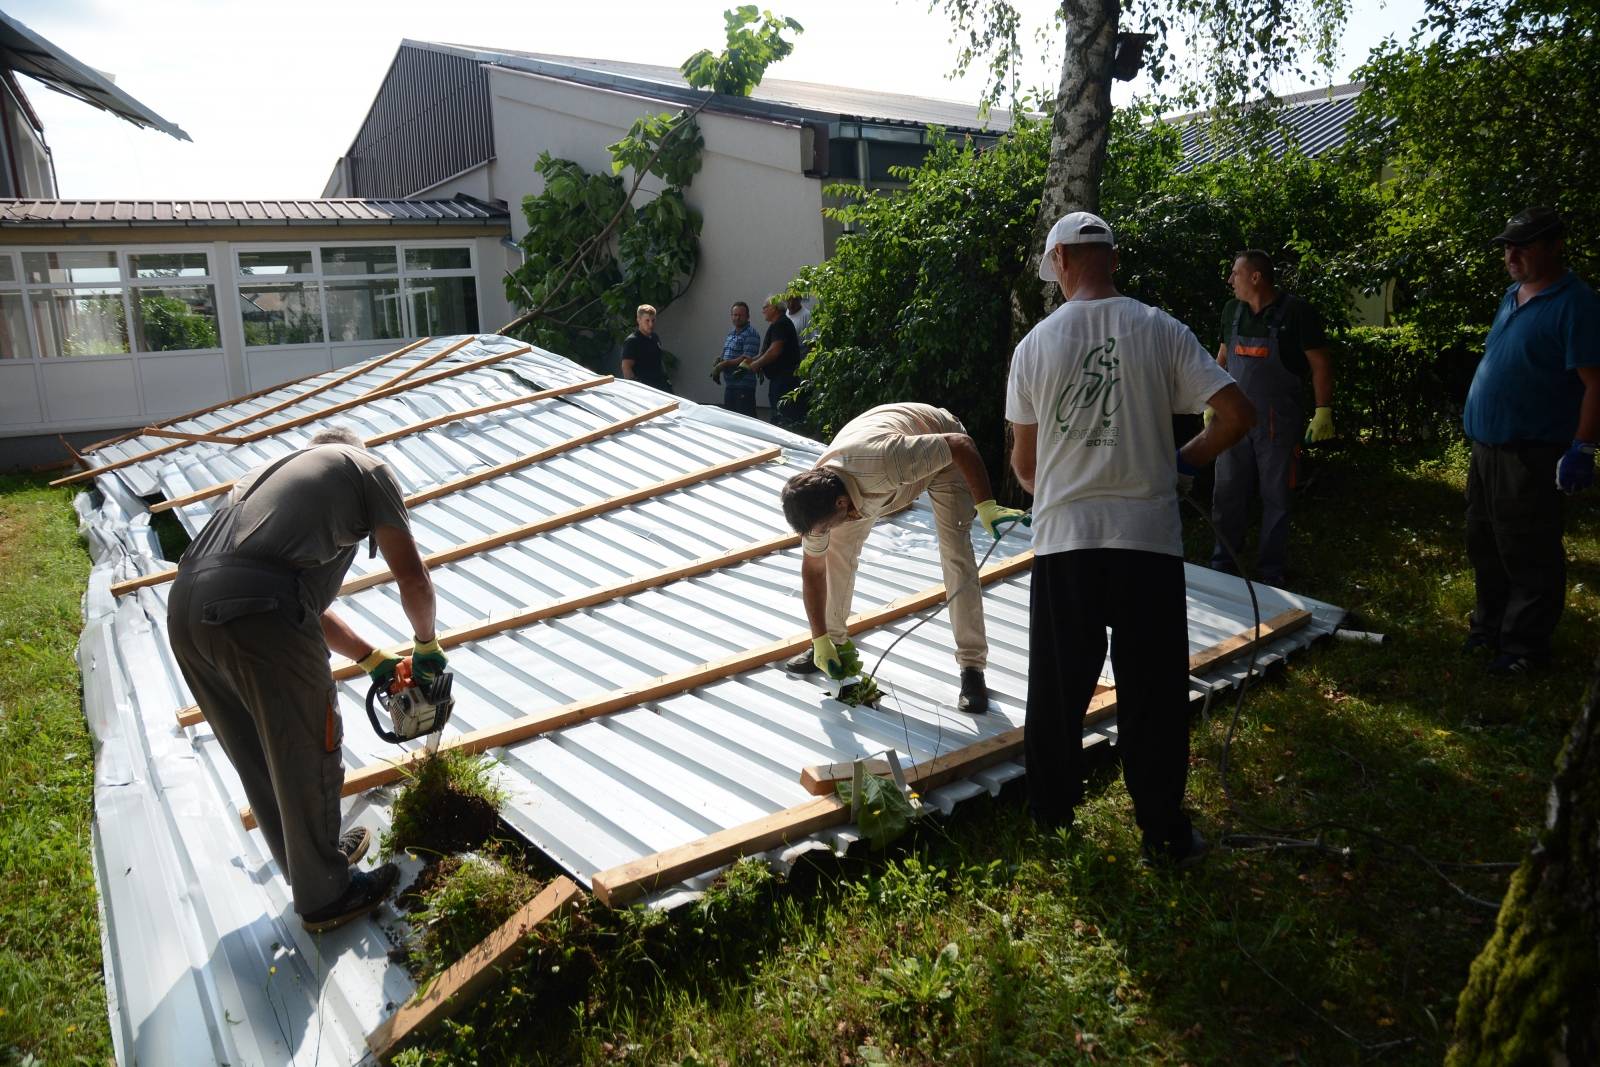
[1488,109]
[1239,45]
[590,255]
[914,303]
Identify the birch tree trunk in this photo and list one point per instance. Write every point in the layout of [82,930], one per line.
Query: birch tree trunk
[1533,995]
[1078,133]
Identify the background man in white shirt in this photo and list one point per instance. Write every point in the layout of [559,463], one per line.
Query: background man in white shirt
[1090,399]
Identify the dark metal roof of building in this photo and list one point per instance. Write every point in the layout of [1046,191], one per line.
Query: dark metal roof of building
[1315,122]
[26,52]
[462,209]
[773,98]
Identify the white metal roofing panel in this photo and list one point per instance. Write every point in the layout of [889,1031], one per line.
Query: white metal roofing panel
[592,795]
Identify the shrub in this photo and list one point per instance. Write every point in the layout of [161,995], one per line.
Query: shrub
[1400,383]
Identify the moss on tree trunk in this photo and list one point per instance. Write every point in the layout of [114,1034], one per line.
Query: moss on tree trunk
[1533,996]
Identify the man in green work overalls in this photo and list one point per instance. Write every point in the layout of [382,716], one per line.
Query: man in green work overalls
[250,625]
[1271,342]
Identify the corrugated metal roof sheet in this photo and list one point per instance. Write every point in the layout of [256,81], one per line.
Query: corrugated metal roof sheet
[24,51]
[195,912]
[461,209]
[773,97]
[1313,122]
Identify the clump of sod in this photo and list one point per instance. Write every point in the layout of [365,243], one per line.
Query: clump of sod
[459,901]
[450,804]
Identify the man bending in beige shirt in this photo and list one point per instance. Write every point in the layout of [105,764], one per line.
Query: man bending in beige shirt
[877,464]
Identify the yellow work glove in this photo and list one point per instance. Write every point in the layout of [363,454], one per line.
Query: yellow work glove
[1321,428]
[379,665]
[1206,416]
[996,518]
[828,658]
[427,661]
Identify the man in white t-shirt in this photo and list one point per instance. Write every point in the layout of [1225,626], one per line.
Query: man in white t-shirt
[1091,396]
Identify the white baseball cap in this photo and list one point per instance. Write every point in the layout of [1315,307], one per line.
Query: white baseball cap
[1078,228]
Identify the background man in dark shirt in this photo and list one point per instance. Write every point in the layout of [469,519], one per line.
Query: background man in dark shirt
[641,352]
[779,359]
[1271,342]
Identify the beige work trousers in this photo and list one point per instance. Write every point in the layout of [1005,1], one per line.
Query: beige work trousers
[953,513]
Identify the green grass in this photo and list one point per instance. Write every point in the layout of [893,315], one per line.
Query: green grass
[52,997]
[977,940]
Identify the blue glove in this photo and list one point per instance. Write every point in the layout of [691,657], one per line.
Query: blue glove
[1186,472]
[1575,471]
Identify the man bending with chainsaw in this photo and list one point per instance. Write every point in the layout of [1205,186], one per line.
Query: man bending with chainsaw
[251,627]
[877,464]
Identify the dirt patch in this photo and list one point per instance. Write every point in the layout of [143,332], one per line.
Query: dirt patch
[452,822]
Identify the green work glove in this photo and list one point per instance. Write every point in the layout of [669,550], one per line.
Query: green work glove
[1207,415]
[995,518]
[427,661]
[1321,428]
[379,665]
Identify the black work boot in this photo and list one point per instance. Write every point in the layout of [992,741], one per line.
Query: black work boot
[801,663]
[974,699]
[366,891]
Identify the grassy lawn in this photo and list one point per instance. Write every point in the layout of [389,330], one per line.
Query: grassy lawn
[977,940]
[52,998]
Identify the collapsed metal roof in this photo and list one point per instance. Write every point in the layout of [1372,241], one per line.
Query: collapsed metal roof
[24,51]
[195,915]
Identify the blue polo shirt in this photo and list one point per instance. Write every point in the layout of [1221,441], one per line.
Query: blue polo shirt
[1527,387]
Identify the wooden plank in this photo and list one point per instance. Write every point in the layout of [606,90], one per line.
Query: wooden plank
[206,438]
[385,393]
[470,976]
[819,779]
[268,431]
[421,365]
[376,361]
[485,409]
[528,460]
[222,487]
[77,457]
[470,548]
[567,518]
[629,881]
[360,779]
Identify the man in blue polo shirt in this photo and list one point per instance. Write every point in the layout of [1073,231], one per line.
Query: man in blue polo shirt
[1533,416]
[739,350]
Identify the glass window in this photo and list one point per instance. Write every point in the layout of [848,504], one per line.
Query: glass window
[438,259]
[168,265]
[441,306]
[80,322]
[13,328]
[288,313]
[276,261]
[8,269]
[92,268]
[363,311]
[372,259]
[175,318]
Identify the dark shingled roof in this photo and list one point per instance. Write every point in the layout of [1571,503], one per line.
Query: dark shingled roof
[462,209]
[1316,122]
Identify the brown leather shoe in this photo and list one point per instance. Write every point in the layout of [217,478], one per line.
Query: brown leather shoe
[974,699]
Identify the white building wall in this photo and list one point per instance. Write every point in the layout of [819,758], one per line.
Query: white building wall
[762,215]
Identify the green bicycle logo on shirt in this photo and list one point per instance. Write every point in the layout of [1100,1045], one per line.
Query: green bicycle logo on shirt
[1095,386]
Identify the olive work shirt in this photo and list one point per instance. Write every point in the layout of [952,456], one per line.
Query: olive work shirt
[309,511]
[1301,330]
[886,457]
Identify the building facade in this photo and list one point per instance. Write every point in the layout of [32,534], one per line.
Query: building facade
[119,314]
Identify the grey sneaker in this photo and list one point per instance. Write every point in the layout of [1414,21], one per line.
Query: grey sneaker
[366,891]
[353,844]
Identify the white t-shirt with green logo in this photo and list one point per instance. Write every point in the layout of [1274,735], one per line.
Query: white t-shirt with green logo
[1102,380]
